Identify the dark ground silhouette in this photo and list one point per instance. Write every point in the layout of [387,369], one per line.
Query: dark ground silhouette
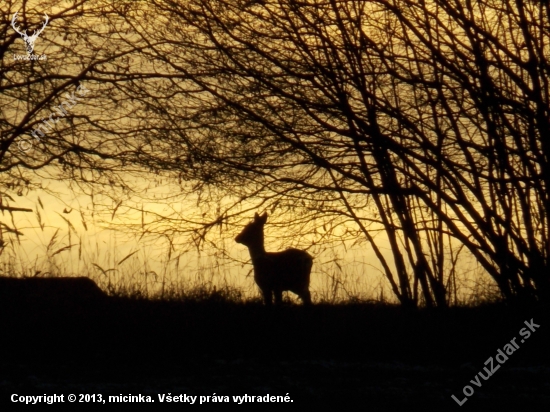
[379,355]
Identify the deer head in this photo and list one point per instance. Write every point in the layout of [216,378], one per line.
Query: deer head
[29,40]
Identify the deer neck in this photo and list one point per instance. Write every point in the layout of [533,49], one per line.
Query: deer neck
[256,251]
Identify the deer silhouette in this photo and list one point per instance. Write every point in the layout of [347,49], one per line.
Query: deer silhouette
[275,272]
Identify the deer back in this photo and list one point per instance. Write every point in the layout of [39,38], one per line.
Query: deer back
[286,270]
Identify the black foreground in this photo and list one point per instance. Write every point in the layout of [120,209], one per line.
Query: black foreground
[370,357]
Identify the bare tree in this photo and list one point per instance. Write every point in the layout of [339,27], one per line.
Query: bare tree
[424,121]
[65,109]
[428,118]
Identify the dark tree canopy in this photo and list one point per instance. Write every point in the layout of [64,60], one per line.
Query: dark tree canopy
[429,120]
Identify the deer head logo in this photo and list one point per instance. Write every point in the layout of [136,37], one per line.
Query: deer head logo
[29,40]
